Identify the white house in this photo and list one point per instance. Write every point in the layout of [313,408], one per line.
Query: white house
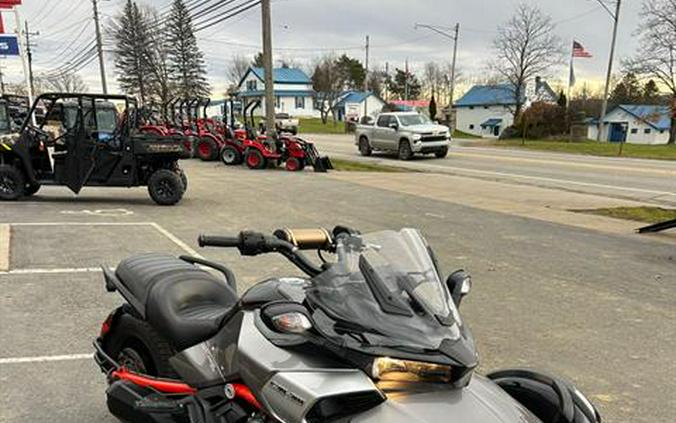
[634,123]
[353,104]
[486,110]
[292,88]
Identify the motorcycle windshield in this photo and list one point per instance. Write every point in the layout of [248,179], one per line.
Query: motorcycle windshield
[384,291]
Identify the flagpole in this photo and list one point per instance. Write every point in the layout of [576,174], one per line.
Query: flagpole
[570,84]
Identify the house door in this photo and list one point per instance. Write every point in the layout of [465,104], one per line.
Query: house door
[496,130]
[618,132]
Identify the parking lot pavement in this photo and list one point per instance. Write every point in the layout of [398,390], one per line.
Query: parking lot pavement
[596,308]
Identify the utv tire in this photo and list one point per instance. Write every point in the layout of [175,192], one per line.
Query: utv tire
[405,152]
[206,149]
[364,147]
[441,153]
[184,180]
[165,187]
[138,347]
[12,183]
[255,160]
[294,164]
[31,189]
[230,156]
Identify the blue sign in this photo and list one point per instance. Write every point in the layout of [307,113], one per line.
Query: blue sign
[9,45]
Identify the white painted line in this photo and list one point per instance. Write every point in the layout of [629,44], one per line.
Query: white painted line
[51,271]
[185,247]
[4,247]
[81,224]
[45,358]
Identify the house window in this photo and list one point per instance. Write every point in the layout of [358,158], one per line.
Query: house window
[486,107]
[300,102]
[251,85]
[646,131]
[471,107]
[634,130]
[278,102]
[662,131]
[471,126]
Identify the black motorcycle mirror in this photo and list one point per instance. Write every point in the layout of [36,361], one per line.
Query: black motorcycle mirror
[459,284]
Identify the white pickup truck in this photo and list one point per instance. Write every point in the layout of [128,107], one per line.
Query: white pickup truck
[286,123]
[406,133]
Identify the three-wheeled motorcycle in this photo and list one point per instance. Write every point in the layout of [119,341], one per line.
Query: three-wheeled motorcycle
[370,334]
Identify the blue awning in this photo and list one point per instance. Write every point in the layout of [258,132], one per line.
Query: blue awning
[492,123]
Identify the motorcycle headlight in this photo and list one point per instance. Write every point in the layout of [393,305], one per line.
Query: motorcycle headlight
[393,369]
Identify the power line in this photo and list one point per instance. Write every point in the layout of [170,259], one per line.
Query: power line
[229,14]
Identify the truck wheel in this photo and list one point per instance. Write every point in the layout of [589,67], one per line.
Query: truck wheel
[441,153]
[12,183]
[364,147]
[405,152]
[165,187]
[207,150]
[230,155]
[135,345]
[255,160]
[31,189]
[294,130]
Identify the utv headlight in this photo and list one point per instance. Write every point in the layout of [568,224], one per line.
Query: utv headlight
[393,369]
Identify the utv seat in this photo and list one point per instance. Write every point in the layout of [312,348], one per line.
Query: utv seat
[185,304]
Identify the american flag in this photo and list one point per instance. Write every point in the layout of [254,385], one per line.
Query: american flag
[579,51]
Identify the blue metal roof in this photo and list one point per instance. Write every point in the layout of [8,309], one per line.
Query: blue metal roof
[353,97]
[492,123]
[284,75]
[488,95]
[656,116]
[280,93]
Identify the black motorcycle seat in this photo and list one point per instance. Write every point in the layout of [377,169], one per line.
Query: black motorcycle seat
[184,303]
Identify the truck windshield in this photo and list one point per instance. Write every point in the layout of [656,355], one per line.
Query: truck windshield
[409,120]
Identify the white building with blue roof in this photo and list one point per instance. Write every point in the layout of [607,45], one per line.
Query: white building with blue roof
[292,88]
[351,105]
[634,123]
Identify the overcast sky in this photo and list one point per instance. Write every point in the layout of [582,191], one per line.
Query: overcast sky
[306,29]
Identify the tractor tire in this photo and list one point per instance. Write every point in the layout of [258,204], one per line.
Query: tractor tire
[364,147]
[255,160]
[441,153]
[165,187]
[294,164]
[230,156]
[31,189]
[12,183]
[138,347]
[206,149]
[405,152]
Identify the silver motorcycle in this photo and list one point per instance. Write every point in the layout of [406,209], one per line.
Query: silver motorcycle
[369,334]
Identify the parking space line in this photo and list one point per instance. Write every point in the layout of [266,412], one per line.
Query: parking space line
[50,271]
[45,358]
[182,245]
[4,247]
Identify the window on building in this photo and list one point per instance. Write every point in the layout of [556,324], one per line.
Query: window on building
[278,102]
[471,107]
[646,131]
[300,102]
[486,107]
[662,131]
[634,130]
[251,85]
[471,126]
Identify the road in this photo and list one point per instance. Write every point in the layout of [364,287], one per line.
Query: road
[652,181]
[597,308]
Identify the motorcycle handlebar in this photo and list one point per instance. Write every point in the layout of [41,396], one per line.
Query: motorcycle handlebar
[218,241]
[306,239]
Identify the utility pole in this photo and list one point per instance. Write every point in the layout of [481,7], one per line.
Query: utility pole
[99,47]
[406,81]
[24,60]
[454,35]
[366,78]
[269,79]
[2,82]
[29,54]
[387,80]
[604,105]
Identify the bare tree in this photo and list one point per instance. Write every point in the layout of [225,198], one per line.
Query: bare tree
[237,67]
[327,81]
[65,83]
[656,57]
[524,48]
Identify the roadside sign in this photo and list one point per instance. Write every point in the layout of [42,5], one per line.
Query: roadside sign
[9,45]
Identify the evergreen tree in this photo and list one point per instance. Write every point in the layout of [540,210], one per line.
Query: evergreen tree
[562,101]
[627,91]
[186,62]
[131,44]
[651,94]
[398,85]
[257,60]
[433,108]
[352,72]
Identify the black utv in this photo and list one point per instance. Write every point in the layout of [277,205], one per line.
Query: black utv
[90,140]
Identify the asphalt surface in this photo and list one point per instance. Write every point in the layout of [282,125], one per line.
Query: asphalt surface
[595,308]
[651,181]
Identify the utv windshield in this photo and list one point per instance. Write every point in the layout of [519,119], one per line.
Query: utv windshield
[384,291]
[4,118]
[409,120]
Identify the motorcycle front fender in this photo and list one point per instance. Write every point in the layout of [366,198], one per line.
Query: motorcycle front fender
[482,401]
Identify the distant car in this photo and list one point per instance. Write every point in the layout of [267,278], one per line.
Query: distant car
[405,133]
[285,123]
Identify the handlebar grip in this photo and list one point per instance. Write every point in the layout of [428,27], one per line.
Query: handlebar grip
[219,241]
[306,239]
